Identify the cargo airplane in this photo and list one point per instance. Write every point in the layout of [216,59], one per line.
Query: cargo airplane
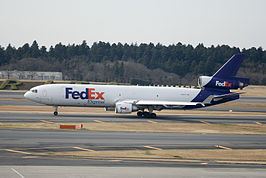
[144,100]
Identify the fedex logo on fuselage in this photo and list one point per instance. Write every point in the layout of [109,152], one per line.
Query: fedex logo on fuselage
[89,94]
[223,84]
[124,108]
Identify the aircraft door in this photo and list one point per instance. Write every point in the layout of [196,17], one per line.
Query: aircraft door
[45,97]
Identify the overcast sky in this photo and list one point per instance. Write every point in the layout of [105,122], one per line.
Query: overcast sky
[240,23]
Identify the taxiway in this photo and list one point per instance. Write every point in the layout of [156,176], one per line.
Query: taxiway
[19,147]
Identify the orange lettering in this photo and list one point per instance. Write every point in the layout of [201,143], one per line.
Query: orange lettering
[91,93]
[100,95]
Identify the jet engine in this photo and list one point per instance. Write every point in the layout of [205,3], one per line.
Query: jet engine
[125,107]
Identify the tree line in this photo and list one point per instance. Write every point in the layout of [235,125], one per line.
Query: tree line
[183,61]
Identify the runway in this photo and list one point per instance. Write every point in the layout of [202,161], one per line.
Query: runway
[28,141]
[7,117]
[22,147]
[121,172]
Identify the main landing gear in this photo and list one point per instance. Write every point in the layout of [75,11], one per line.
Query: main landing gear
[146,115]
[55,112]
[149,114]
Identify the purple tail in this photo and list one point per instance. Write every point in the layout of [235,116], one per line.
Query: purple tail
[225,78]
[230,68]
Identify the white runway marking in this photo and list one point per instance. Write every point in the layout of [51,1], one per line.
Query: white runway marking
[17,172]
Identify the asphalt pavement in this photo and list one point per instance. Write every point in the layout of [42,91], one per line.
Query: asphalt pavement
[18,146]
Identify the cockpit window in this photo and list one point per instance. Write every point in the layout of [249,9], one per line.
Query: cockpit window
[34,91]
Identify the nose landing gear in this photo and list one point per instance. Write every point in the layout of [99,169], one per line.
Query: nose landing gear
[55,112]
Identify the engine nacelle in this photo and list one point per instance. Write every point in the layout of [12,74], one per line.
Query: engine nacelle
[204,80]
[228,83]
[124,107]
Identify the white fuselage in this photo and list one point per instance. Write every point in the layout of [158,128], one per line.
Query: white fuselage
[127,99]
[105,95]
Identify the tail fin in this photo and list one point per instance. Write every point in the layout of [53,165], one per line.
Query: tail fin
[230,68]
[225,78]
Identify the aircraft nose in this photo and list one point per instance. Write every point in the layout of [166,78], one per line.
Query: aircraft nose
[27,95]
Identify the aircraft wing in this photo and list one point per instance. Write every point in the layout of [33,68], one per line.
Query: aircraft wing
[166,104]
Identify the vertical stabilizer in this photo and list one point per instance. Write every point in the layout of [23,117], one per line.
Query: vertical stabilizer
[230,68]
[225,78]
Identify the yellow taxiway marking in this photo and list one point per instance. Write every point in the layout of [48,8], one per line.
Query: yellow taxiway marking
[115,160]
[205,122]
[259,123]
[151,147]
[223,147]
[152,121]
[47,122]
[16,151]
[29,157]
[98,121]
[84,149]
[204,163]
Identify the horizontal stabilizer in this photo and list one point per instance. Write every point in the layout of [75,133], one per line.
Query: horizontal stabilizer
[220,97]
[229,95]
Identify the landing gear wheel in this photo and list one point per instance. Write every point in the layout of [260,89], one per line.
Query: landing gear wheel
[153,115]
[55,110]
[146,114]
[140,114]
